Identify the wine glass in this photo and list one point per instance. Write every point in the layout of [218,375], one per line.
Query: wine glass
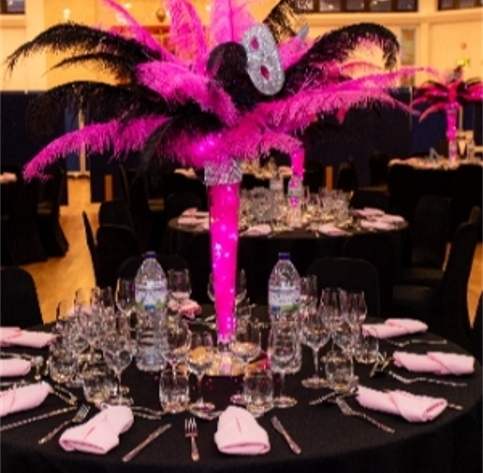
[241,287]
[330,309]
[200,358]
[178,341]
[245,346]
[125,299]
[179,286]
[315,335]
[118,353]
[282,348]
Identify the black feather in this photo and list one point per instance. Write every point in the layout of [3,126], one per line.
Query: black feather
[283,21]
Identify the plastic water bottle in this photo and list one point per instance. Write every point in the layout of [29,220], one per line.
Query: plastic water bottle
[151,295]
[284,290]
[284,301]
[295,195]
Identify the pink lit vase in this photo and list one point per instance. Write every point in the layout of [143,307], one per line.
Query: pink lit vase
[223,182]
[451,128]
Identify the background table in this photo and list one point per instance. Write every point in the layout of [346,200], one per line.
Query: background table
[330,442]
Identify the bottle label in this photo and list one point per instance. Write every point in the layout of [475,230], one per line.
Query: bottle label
[151,295]
[284,299]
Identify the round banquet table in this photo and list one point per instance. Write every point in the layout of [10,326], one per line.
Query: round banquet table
[330,441]
[257,254]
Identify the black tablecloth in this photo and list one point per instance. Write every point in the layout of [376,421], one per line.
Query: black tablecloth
[257,255]
[330,442]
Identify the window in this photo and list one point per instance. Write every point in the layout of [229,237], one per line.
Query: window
[12,7]
[458,4]
[353,6]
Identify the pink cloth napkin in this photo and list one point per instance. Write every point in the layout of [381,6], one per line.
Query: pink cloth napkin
[368,212]
[395,328]
[14,367]
[23,398]
[101,433]
[435,362]
[239,433]
[190,220]
[194,212]
[388,218]
[331,230]
[24,338]
[189,308]
[409,406]
[262,229]
[376,225]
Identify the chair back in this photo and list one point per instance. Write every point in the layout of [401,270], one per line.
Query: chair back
[19,300]
[403,187]
[314,175]
[178,202]
[115,212]
[477,331]
[130,266]
[91,244]
[350,274]
[378,168]
[347,177]
[429,232]
[52,191]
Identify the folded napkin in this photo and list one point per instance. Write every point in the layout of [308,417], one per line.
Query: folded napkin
[194,212]
[262,229]
[6,177]
[331,230]
[23,398]
[394,328]
[101,433]
[189,308]
[409,406]
[435,362]
[14,367]
[204,224]
[24,338]
[376,225]
[389,218]
[190,173]
[368,212]
[239,433]
[190,220]
[285,171]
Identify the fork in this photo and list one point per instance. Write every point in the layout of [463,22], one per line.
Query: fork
[415,341]
[422,379]
[77,419]
[348,411]
[191,432]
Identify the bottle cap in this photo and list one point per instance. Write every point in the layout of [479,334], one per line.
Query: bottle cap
[150,254]
[284,256]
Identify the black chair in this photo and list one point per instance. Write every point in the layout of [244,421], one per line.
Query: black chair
[381,250]
[50,231]
[91,244]
[347,177]
[21,243]
[477,331]
[129,267]
[403,187]
[19,300]
[350,274]
[429,232]
[444,306]
[314,175]
[115,212]
[378,169]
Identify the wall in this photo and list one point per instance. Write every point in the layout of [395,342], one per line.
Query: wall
[442,37]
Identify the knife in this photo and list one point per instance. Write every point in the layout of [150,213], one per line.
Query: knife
[36,418]
[154,435]
[280,428]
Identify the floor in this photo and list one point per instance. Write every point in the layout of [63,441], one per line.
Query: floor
[59,278]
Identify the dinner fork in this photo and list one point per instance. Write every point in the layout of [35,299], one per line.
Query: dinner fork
[79,416]
[191,432]
[348,411]
[421,379]
[415,341]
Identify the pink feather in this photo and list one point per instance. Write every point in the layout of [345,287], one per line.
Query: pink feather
[229,20]
[178,84]
[138,32]
[292,50]
[97,138]
[186,32]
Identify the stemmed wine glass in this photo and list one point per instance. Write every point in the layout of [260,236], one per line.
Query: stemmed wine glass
[245,346]
[178,342]
[179,286]
[125,299]
[200,358]
[118,353]
[315,335]
[282,349]
[331,312]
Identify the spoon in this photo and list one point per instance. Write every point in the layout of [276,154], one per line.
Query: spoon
[37,362]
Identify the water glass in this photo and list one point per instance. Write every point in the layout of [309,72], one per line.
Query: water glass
[367,350]
[62,363]
[339,371]
[98,382]
[258,392]
[173,390]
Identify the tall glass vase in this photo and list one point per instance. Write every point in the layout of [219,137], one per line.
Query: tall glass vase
[451,127]
[223,182]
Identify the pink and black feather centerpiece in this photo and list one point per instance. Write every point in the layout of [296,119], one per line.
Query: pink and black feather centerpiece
[232,90]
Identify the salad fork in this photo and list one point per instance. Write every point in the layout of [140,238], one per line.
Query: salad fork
[79,416]
[191,432]
[348,411]
[422,379]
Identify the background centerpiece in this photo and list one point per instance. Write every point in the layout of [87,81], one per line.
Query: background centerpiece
[225,92]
